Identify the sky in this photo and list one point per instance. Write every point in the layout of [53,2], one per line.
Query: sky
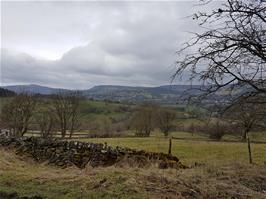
[78,45]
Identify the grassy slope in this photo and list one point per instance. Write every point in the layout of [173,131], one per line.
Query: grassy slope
[28,178]
[107,109]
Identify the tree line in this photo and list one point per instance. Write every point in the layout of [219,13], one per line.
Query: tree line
[58,112]
[147,117]
[63,112]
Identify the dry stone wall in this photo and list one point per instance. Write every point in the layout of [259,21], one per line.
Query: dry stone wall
[68,153]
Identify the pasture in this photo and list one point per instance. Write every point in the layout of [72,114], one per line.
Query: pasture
[194,149]
[221,170]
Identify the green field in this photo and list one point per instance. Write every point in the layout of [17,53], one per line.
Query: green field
[196,148]
[222,170]
[191,151]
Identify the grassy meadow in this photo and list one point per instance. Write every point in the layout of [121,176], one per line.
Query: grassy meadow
[193,149]
[220,180]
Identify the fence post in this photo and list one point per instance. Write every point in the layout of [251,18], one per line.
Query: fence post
[170,146]
[249,150]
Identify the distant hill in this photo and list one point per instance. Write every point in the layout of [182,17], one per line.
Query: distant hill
[168,94]
[162,94]
[33,88]
[6,93]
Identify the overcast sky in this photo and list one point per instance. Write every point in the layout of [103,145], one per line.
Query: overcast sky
[82,44]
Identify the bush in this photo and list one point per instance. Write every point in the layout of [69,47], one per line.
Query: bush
[143,120]
[216,131]
[107,127]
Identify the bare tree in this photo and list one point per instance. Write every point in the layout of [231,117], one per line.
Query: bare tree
[62,112]
[143,120]
[165,119]
[231,52]
[75,100]
[45,119]
[248,115]
[17,114]
[66,107]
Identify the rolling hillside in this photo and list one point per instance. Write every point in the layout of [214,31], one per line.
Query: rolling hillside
[163,94]
[33,88]
[168,94]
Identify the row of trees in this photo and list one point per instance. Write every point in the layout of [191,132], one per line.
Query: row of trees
[247,115]
[58,112]
[62,112]
[148,116]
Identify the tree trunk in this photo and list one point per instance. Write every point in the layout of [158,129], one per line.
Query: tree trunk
[170,146]
[63,131]
[24,130]
[63,128]
[244,136]
[72,127]
[249,148]
[71,132]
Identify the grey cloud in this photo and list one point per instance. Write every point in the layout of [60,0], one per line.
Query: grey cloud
[127,43]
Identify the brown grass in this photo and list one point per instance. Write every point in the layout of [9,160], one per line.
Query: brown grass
[28,178]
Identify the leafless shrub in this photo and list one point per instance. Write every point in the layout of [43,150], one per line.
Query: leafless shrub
[66,108]
[45,118]
[216,130]
[143,120]
[17,114]
[165,120]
